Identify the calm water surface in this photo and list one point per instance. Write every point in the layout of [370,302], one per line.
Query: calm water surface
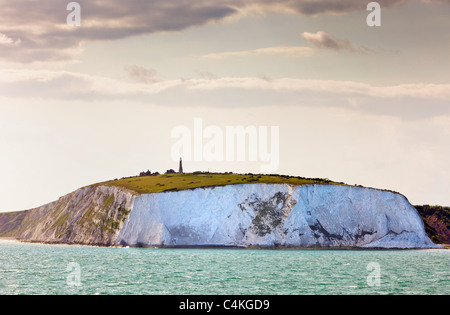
[55,269]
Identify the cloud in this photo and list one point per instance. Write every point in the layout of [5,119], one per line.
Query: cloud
[325,41]
[408,101]
[286,51]
[45,37]
[442,1]
[8,41]
[311,7]
[82,83]
[141,74]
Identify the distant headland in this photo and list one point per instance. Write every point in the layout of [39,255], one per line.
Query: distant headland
[204,209]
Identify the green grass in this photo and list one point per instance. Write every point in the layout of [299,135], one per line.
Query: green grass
[176,182]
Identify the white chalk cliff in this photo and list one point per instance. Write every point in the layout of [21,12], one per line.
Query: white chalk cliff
[247,215]
[270,215]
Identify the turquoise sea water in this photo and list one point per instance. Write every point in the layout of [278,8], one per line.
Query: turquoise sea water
[55,269]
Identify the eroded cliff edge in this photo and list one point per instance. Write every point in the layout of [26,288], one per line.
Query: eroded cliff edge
[247,215]
[89,216]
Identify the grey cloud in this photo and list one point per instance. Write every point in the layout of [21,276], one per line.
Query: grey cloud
[41,25]
[44,35]
[443,1]
[326,41]
[311,7]
[141,74]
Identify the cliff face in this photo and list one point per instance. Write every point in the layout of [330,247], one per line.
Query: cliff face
[437,222]
[265,215]
[275,216]
[90,216]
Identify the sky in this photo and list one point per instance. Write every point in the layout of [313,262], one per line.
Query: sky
[352,103]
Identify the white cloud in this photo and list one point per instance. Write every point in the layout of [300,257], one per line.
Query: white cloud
[410,101]
[422,91]
[8,41]
[285,51]
[106,85]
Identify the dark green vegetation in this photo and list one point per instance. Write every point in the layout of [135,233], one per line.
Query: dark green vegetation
[176,182]
[437,222]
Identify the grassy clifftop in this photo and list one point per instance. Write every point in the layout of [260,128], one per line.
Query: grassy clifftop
[176,182]
[12,223]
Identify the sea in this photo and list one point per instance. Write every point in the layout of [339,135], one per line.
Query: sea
[39,269]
